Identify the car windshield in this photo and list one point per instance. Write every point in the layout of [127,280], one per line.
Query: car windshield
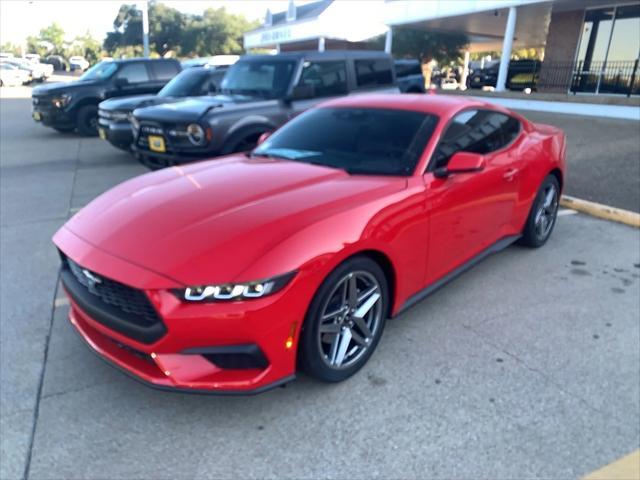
[100,71]
[269,78]
[187,82]
[368,141]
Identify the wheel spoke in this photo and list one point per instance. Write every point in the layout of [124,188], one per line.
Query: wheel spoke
[345,340]
[366,294]
[353,291]
[331,315]
[548,199]
[366,306]
[362,325]
[330,328]
[359,339]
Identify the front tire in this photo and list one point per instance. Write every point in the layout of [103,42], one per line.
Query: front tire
[87,121]
[345,321]
[543,214]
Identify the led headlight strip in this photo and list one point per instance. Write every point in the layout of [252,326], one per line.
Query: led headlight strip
[234,291]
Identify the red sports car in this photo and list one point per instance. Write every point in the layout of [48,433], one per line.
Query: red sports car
[229,275]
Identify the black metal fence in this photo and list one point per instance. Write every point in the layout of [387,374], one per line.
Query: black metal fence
[616,77]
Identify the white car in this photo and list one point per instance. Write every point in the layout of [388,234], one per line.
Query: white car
[78,63]
[32,57]
[11,76]
[38,71]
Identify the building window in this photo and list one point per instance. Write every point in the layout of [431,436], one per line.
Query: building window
[608,52]
[291,11]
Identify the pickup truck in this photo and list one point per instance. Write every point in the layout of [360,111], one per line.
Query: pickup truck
[259,93]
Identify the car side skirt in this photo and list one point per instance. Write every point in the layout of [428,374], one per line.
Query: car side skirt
[425,292]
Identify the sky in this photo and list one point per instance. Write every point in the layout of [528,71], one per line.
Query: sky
[21,18]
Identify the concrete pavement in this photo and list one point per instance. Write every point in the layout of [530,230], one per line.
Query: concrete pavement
[527,366]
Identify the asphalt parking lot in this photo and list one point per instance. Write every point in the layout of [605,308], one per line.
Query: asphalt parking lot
[526,366]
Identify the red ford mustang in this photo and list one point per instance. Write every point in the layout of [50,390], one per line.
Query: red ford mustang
[229,275]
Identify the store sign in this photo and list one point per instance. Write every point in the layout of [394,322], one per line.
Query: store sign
[283,34]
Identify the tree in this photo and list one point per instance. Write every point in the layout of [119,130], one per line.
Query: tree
[48,41]
[426,45]
[216,32]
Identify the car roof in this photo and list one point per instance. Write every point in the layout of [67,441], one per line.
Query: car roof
[441,105]
[142,59]
[326,55]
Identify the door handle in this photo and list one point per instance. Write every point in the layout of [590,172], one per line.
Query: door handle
[510,174]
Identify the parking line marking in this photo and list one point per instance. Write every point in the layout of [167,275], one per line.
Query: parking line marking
[566,211]
[625,468]
[61,302]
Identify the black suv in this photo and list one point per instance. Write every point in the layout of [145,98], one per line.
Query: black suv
[259,93]
[67,106]
[521,74]
[113,114]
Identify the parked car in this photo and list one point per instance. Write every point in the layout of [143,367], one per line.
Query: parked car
[228,276]
[214,61]
[78,63]
[71,105]
[11,76]
[58,62]
[259,93]
[37,71]
[409,76]
[488,77]
[6,55]
[113,114]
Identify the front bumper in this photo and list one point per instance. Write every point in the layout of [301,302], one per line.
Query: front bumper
[118,134]
[160,160]
[235,347]
[53,117]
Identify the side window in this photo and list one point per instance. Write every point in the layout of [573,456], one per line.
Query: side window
[476,131]
[212,83]
[327,78]
[163,71]
[134,73]
[370,73]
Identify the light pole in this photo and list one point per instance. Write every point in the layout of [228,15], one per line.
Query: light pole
[145,28]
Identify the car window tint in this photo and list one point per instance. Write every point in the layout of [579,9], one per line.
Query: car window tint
[405,69]
[134,73]
[164,71]
[475,131]
[373,72]
[327,78]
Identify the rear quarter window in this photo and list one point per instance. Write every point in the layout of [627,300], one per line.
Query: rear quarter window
[373,72]
[164,71]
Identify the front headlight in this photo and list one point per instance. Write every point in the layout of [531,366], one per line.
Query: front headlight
[196,134]
[61,101]
[234,291]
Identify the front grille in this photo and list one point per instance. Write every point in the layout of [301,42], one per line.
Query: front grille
[127,299]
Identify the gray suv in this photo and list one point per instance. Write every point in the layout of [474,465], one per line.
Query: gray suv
[258,95]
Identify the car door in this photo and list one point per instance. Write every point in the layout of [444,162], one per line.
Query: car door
[470,211]
[319,80]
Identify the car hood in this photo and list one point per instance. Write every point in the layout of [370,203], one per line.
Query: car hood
[227,213]
[190,109]
[131,103]
[62,87]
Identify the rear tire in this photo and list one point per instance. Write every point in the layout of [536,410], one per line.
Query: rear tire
[543,214]
[87,121]
[336,341]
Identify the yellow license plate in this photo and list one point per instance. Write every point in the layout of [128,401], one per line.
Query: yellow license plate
[102,133]
[36,116]
[156,143]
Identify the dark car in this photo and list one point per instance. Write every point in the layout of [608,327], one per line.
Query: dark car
[409,76]
[113,114]
[259,93]
[58,62]
[523,72]
[70,105]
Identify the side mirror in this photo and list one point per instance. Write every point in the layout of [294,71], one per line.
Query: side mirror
[263,137]
[303,92]
[121,82]
[461,162]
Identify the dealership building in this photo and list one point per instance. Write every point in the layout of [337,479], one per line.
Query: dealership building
[590,46]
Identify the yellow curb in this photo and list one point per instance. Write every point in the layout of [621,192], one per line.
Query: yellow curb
[601,211]
[625,468]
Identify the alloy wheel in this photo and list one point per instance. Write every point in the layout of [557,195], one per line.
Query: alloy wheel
[350,319]
[546,214]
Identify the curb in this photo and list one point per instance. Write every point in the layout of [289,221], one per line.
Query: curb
[601,211]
